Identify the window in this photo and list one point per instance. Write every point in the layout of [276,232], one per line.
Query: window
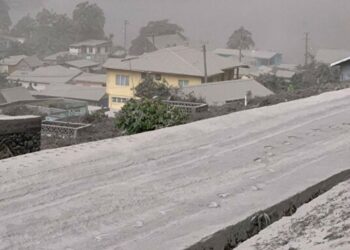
[122,80]
[119,99]
[183,83]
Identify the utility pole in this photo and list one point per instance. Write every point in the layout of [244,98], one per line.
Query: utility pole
[307,48]
[126,22]
[205,63]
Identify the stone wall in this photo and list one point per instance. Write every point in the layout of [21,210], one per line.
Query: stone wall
[19,135]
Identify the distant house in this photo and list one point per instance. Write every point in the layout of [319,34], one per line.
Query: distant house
[16,94]
[42,77]
[90,80]
[255,58]
[10,64]
[83,65]
[329,56]
[93,96]
[344,65]
[91,47]
[20,62]
[178,66]
[167,41]
[59,58]
[220,93]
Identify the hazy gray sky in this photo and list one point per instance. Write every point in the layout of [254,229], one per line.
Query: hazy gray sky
[276,24]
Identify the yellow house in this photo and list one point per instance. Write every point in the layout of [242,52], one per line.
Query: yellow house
[178,66]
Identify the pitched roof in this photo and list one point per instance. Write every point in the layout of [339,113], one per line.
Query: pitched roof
[263,54]
[330,56]
[33,61]
[344,60]
[14,95]
[73,92]
[219,93]
[89,43]
[166,41]
[83,63]
[12,60]
[92,78]
[175,60]
[48,75]
[54,57]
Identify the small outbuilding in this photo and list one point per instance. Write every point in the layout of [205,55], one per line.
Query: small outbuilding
[344,65]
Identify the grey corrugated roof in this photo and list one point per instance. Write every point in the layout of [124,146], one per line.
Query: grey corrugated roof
[89,43]
[176,60]
[83,63]
[93,78]
[73,92]
[330,56]
[12,60]
[263,54]
[166,41]
[219,93]
[47,75]
[16,94]
[344,60]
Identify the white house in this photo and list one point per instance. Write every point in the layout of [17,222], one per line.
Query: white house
[91,47]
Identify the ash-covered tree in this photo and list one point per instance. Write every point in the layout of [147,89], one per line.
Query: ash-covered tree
[25,27]
[47,33]
[315,75]
[138,116]
[150,88]
[89,21]
[141,44]
[5,20]
[241,39]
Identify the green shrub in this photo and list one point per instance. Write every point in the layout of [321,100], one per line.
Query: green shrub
[143,115]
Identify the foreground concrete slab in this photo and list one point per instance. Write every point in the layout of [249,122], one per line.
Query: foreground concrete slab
[169,188]
[322,224]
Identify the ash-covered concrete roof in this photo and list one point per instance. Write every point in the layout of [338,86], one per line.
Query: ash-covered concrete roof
[15,94]
[12,60]
[219,93]
[170,188]
[178,60]
[47,75]
[321,224]
[90,43]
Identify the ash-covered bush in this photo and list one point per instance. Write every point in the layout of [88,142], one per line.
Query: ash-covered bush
[143,115]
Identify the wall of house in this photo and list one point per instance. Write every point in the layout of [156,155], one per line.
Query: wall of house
[114,90]
[19,135]
[4,69]
[345,72]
